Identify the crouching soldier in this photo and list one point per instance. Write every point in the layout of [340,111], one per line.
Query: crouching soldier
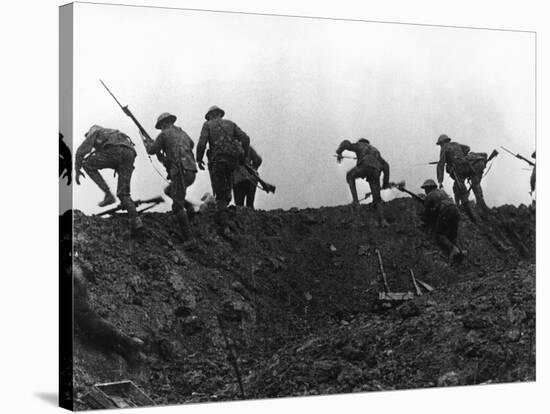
[442,215]
[462,165]
[111,149]
[244,184]
[177,148]
[228,145]
[370,165]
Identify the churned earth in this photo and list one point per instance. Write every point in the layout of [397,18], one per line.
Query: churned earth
[292,295]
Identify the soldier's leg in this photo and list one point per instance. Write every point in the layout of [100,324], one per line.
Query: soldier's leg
[124,171]
[478,192]
[250,195]
[188,179]
[239,191]
[97,329]
[221,182]
[351,176]
[373,178]
[445,229]
[97,161]
[178,193]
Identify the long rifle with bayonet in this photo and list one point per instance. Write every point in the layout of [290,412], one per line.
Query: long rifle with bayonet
[531,163]
[142,130]
[152,201]
[265,186]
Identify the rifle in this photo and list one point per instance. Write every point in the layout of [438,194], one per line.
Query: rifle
[154,201]
[390,185]
[402,188]
[268,188]
[344,156]
[531,163]
[142,130]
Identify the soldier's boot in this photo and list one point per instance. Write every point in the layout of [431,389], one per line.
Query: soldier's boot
[381,219]
[183,222]
[100,182]
[107,200]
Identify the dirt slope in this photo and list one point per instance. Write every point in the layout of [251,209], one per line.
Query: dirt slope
[306,280]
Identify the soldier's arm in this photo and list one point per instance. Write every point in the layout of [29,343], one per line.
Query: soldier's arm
[84,149]
[255,159]
[465,149]
[203,140]
[154,147]
[345,145]
[441,166]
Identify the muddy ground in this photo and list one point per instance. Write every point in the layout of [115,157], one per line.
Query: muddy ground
[295,293]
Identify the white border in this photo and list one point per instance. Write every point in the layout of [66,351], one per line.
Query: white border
[29,206]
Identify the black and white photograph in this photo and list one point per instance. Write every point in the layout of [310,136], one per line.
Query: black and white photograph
[257,206]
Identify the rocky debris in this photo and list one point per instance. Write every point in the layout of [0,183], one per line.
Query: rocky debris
[295,288]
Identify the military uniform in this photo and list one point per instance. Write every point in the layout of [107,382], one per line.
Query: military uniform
[228,145]
[462,165]
[370,165]
[111,149]
[244,184]
[442,215]
[177,148]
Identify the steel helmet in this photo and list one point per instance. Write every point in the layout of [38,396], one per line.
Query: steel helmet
[93,130]
[442,138]
[428,183]
[213,109]
[165,116]
[366,141]
[534,155]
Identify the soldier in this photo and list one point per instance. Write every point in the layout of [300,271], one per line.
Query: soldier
[370,165]
[95,328]
[65,160]
[462,165]
[228,145]
[244,184]
[112,149]
[442,215]
[180,164]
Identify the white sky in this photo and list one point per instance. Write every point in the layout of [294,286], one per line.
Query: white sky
[299,86]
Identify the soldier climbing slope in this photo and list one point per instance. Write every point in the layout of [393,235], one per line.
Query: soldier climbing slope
[370,165]
[244,184]
[228,145]
[111,149]
[442,215]
[180,164]
[462,165]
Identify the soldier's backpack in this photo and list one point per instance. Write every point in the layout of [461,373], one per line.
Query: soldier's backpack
[478,161]
[228,146]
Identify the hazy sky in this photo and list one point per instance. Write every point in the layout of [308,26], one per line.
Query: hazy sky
[299,86]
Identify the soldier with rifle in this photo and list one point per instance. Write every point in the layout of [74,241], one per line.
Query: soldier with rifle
[244,183]
[370,165]
[461,165]
[441,215]
[109,148]
[180,164]
[531,163]
[228,146]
